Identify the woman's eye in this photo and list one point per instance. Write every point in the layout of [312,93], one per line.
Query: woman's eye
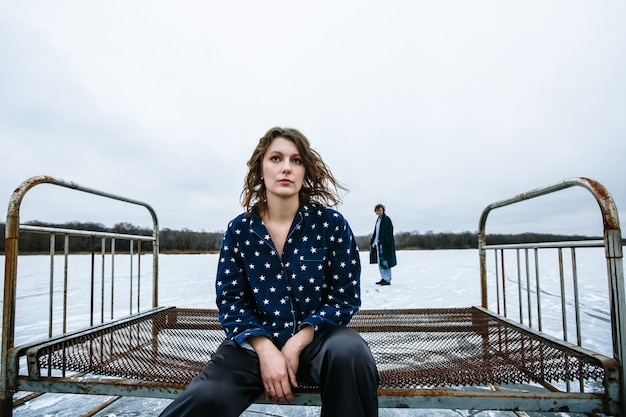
[297,161]
[274,159]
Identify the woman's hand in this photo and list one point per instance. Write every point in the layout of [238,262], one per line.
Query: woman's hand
[279,368]
[292,350]
[275,372]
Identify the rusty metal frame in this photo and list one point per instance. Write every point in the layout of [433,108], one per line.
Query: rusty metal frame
[372,321]
[11,264]
[612,243]
[611,401]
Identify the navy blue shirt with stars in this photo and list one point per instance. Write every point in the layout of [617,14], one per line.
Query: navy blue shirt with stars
[316,282]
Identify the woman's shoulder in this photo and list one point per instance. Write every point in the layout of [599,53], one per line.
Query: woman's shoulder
[242,219]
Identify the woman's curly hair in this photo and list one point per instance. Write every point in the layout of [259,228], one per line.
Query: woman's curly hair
[319,185]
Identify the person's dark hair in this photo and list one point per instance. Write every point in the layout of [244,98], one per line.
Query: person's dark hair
[319,185]
[379,206]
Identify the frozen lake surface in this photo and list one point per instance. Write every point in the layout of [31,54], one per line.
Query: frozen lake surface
[422,279]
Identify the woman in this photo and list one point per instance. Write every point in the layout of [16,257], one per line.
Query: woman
[288,283]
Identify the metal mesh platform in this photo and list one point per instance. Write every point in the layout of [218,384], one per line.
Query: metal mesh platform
[413,348]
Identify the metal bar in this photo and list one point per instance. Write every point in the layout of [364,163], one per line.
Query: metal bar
[66,257]
[8,310]
[562,286]
[615,268]
[563,304]
[519,288]
[517,413]
[504,303]
[92,281]
[130,300]
[608,209]
[75,232]
[528,297]
[138,276]
[102,273]
[51,289]
[51,285]
[409,398]
[495,252]
[128,320]
[112,277]
[538,285]
[579,341]
[66,249]
[155,269]
[564,244]
[482,265]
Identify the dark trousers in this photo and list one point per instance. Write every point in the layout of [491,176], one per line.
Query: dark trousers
[338,361]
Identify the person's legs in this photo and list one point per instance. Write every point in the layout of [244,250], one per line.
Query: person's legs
[341,363]
[227,385]
[385,274]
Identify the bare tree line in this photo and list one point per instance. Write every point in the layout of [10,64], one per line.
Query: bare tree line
[189,241]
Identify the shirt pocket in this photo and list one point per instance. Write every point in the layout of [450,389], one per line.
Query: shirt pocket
[311,265]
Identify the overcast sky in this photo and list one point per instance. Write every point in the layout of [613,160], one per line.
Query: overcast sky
[433,108]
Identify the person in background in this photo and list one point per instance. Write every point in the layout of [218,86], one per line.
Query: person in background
[287,284]
[383,245]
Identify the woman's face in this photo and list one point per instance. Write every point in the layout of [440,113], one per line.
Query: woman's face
[283,169]
[379,211]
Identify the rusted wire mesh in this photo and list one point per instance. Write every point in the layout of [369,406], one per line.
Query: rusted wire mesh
[465,346]
[413,349]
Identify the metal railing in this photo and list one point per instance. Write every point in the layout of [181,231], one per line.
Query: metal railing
[99,254]
[526,278]
[528,281]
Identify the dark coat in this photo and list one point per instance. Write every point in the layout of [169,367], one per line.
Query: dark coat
[386,244]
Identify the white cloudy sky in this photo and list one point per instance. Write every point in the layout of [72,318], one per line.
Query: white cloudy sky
[434,108]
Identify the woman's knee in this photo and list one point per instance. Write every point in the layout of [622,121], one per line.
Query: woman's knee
[347,344]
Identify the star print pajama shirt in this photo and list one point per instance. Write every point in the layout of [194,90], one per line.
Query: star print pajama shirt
[315,283]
